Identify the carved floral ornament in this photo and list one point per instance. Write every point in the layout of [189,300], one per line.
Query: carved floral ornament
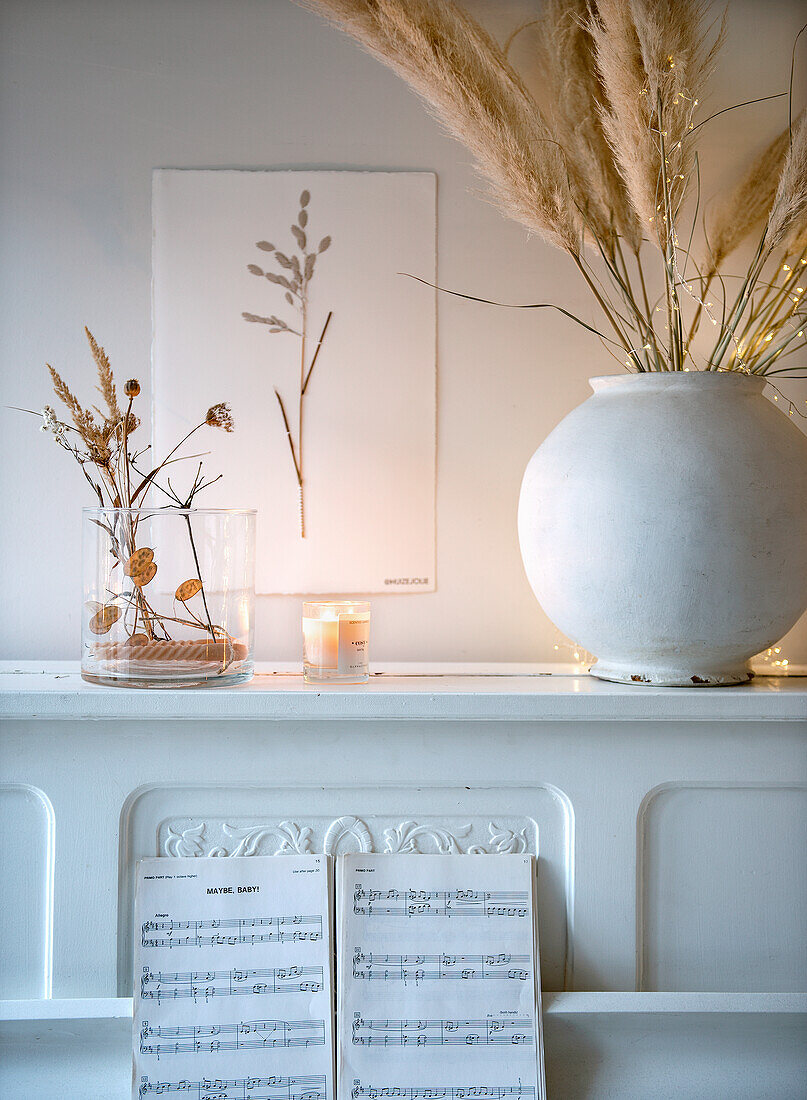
[347,833]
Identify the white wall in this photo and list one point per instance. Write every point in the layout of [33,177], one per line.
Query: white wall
[96,93]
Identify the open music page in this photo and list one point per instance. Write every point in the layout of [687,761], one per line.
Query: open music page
[233,990]
[438,978]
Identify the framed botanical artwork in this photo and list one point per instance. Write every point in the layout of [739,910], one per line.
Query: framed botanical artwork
[284,293]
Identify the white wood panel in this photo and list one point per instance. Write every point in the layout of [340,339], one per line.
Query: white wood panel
[26,887]
[723,865]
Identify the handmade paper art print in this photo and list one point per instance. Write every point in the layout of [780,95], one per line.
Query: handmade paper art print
[283,291]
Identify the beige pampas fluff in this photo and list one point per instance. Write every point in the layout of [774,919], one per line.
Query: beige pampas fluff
[605,151]
[477,95]
[789,210]
[748,203]
[572,95]
[654,65]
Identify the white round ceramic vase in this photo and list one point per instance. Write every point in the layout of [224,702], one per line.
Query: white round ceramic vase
[663,526]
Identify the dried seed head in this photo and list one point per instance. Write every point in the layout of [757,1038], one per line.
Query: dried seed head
[132,388]
[188,589]
[103,620]
[265,246]
[139,561]
[324,243]
[52,424]
[253,269]
[146,575]
[305,198]
[220,416]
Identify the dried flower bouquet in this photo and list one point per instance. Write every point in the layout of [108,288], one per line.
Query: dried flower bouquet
[100,440]
[604,160]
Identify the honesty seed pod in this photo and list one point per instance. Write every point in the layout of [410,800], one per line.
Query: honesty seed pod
[188,589]
[139,561]
[147,574]
[103,620]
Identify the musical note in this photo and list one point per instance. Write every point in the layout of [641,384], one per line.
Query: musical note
[421,1033]
[241,1088]
[206,1038]
[443,903]
[419,968]
[202,985]
[448,1092]
[279,930]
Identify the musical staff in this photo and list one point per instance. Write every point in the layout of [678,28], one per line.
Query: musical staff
[232,932]
[202,985]
[207,1038]
[241,1088]
[453,1092]
[419,968]
[440,903]
[423,1033]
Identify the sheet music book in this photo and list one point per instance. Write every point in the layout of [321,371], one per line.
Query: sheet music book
[437,977]
[439,993]
[233,994]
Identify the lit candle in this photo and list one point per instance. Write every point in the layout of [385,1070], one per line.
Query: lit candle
[335,641]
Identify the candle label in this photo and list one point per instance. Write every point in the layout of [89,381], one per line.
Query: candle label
[353,636]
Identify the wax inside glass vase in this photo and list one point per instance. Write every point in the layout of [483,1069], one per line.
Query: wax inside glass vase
[335,641]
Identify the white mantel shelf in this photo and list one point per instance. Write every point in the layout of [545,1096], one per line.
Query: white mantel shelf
[55,690]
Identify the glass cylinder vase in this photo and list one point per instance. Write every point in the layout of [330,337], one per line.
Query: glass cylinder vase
[169,596]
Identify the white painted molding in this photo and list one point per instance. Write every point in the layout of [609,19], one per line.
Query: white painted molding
[55,690]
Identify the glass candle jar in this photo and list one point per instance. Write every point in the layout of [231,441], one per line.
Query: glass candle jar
[336,634]
[169,596]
